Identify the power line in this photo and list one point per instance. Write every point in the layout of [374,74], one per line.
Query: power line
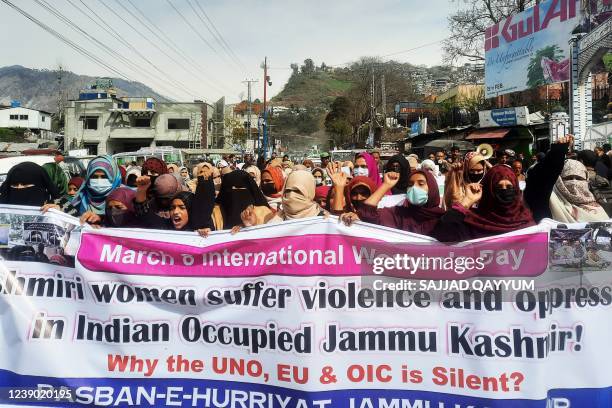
[215,34]
[166,40]
[195,30]
[110,30]
[145,37]
[218,33]
[172,45]
[100,44]
[172,48]
[396,53]
[66,41]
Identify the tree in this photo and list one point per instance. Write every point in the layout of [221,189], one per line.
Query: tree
[340,109]
[340,130]
[398,86]
[309,67]
[236,129]
[295,68]
[468,24]
[338,120]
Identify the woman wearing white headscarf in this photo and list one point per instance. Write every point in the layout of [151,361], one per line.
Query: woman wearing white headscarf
[298,197]
[571,200]
[255,173]
[297,201]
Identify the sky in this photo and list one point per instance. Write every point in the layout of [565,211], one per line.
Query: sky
[185,61]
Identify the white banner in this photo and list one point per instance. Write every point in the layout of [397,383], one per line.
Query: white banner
[308,313]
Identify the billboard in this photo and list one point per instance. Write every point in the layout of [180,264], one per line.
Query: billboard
[530,49]
[504,117]
[419,127]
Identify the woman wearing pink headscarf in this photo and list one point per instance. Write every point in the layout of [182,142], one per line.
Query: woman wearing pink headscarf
[365,165]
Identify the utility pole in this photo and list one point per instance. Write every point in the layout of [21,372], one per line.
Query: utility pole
[372,111]
[384,103]
[265,110]
[60,98]
[250,108]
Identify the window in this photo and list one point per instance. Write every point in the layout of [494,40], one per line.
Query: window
[90,122]
[92,148]
[14,117]
[142,122]
[43,118]
[23,117]
[178,124]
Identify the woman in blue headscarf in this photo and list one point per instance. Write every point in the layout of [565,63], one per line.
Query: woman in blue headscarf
[103,176]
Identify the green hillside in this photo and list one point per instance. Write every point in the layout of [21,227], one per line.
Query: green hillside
[314,90]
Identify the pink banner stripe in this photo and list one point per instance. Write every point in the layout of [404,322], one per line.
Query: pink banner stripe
[308,255]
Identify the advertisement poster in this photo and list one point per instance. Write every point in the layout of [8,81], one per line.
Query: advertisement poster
[531,48]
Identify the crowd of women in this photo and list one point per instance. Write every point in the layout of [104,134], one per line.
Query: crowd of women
[451,199]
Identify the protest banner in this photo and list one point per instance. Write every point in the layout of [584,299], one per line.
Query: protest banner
[308,313]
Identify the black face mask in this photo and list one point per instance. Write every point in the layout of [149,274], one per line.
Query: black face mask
[33,196]
[358,203]
[118,218]
[475,177]
[505,195]
[268,189]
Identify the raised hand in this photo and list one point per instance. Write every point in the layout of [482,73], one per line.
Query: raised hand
[391,178]
[248,216]
[338,177]
[143,183]
[569,138]
[473,194]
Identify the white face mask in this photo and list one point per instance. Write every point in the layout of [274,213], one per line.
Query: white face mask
[100,186]
[318,181]
[359,171]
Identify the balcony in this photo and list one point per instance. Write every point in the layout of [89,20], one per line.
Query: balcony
[131,133]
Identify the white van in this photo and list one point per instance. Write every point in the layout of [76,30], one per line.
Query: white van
[8,162]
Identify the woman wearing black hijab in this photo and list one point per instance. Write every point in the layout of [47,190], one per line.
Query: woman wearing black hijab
[238,191]
[181,211]
[28,184]
[399,164]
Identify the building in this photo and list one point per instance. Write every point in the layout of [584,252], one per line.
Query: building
[104,123]
[409,112]
[39,122]
[237,116]
[462,95]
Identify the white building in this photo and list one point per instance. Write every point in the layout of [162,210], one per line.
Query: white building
[103,123]
[37,121]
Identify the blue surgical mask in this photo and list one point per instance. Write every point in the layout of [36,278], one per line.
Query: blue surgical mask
[416,196]
[360,171]
[100,186]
